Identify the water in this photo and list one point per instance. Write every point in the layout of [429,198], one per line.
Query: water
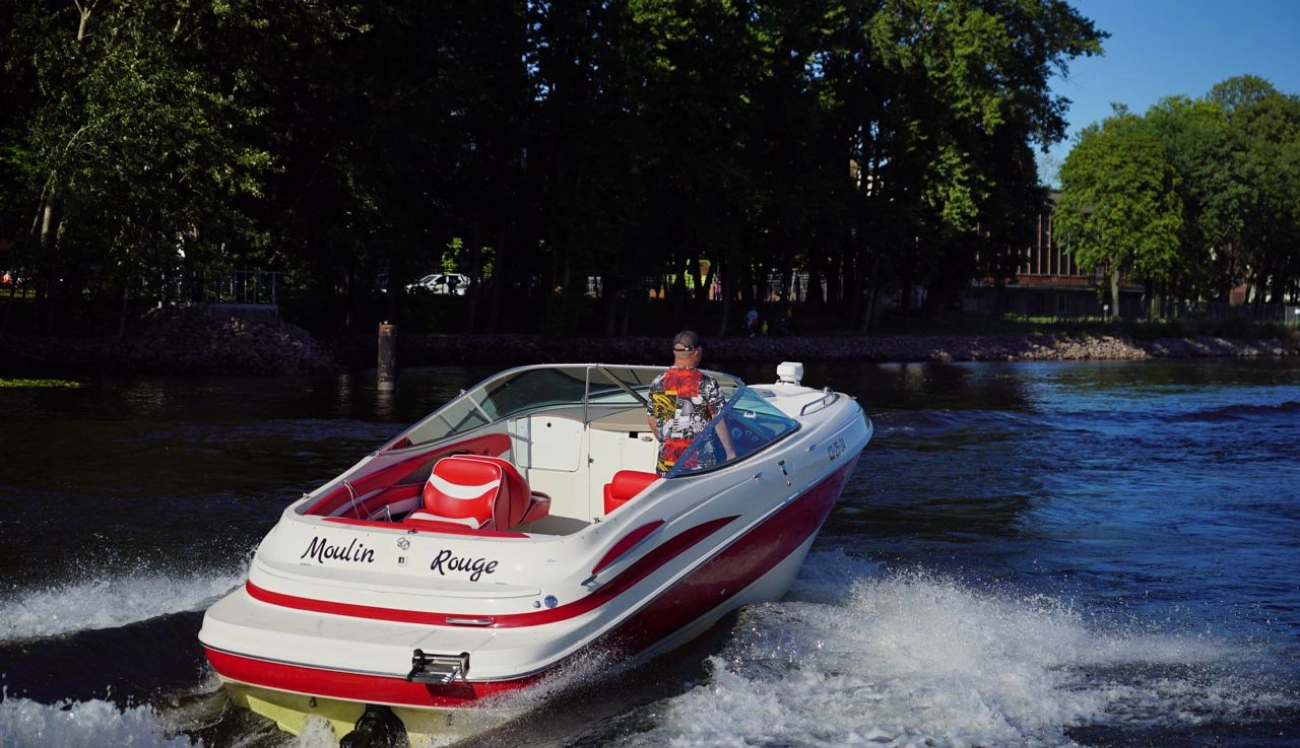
[1093,554]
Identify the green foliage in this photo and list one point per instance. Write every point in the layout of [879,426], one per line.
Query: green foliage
[39,384]
[1196,197]
[875,144]
[1119,208]
[141,154]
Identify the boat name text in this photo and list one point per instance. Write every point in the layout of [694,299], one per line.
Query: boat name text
[836,448]
[477,567]
[322,549]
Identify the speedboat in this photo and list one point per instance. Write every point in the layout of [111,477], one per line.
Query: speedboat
[518,528]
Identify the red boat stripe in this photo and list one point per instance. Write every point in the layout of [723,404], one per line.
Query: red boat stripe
[378,689]
[732,571]
[627,543]
[656,558]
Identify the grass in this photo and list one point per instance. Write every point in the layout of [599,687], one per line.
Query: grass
[39,383]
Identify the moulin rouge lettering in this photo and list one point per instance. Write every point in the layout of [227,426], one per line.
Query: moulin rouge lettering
[477,567]
[355,552]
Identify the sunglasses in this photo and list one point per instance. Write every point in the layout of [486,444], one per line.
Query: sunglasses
[685,348]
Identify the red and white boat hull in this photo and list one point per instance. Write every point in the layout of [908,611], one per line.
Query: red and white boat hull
[340,612]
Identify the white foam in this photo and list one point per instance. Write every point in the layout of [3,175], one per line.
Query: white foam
[316,733]
[108,602]
[916,659]
[27,724]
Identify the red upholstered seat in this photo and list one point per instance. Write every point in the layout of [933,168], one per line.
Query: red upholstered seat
[476,491]
[480,492]
[624,485]
[539,505]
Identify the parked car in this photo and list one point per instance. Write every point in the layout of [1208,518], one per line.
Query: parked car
[441,283]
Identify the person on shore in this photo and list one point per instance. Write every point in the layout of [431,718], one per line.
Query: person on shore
[751,321]
[683,400]
[786,325]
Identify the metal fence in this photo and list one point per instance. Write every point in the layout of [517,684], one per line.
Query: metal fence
[256,288]
[1285,313]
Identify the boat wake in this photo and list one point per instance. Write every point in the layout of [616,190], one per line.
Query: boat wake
[28,724]
[856,655]
[108,602]
[200,717]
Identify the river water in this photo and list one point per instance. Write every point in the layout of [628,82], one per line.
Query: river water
[1056,554]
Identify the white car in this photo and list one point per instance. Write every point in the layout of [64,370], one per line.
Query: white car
[442,283]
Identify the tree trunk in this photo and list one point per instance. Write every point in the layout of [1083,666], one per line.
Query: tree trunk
[126,307]
[48,242]
[84,10]
[1114,294]
[635,297]
[475,272]
[498,280]
[873,292]
[905,299]
[9,307]
[610,294]
[728,290]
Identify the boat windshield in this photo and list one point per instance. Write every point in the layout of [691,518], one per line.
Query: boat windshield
[529,388]
[750,420]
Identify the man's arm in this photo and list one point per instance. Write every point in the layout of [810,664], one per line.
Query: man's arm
[724,436]
[717,401]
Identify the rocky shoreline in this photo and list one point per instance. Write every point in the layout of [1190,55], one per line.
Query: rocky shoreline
[197,344]
[428,349]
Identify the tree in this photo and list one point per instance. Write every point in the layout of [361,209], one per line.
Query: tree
[141,144]
[1119,210]
[1213,190]
[1265,127]
[876,144]
[951,85]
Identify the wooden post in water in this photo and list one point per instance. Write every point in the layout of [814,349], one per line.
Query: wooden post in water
[387,357]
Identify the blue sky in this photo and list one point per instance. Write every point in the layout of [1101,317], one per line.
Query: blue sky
[1160,48]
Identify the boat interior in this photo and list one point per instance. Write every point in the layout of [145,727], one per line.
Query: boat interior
[542,450]
[552,472]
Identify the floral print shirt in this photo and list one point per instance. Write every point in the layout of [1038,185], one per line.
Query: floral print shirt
[683,400]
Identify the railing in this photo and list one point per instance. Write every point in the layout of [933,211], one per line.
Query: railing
[254,288]
[1285,313]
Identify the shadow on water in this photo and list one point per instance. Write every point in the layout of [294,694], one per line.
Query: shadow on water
[137,663]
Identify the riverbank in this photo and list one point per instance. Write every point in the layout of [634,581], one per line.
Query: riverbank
[193,343]
[187,342]
[506,349]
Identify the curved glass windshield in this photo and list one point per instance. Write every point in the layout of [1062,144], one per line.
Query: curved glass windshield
[748,421]
[529,388]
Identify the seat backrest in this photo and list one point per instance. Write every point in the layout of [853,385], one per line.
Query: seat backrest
[624,485]
[480,491]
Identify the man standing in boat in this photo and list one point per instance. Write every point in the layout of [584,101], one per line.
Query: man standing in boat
[682,402]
